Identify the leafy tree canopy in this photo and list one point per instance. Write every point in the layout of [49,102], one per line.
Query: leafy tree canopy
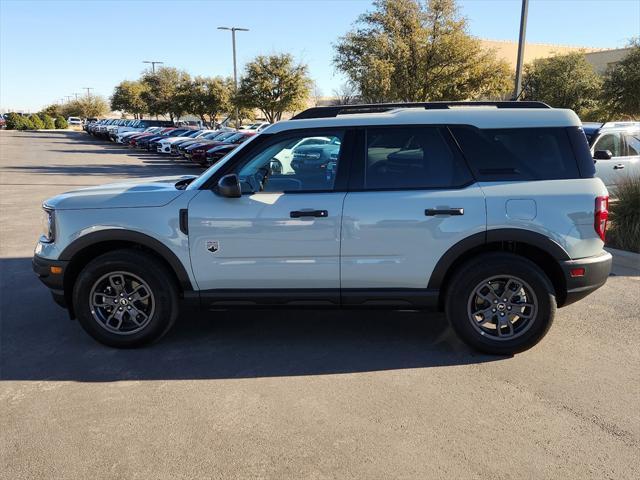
[409,50]
[274,84]
[563,81]
[621,92]
[127,97]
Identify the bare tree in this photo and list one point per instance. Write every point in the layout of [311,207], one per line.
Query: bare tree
[316,93]
[345,94]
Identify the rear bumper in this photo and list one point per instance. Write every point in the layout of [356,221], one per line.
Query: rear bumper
[55,282]
[596,272]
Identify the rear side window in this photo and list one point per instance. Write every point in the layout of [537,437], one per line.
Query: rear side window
[412,158]
[518,153]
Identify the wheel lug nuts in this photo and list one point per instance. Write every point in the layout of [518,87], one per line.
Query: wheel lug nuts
[509,307]
[495,301]
[120,309]
[504,299]
[493,310]
[502,314]
[129,308]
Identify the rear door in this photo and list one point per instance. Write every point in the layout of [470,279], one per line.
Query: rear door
[411,198]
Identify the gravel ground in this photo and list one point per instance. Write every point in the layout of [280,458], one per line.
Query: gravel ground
[295,394]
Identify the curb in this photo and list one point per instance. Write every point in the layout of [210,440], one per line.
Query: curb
[624,258]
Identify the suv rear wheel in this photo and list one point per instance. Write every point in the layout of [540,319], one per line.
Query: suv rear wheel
[125,298]
[500,303]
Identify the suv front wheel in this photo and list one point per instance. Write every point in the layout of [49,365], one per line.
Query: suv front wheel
[500,303]
[125,298]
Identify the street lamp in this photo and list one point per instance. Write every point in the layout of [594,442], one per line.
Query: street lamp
[153,64]
[235,68]
[523,31]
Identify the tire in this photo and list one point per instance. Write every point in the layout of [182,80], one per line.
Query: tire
[157,308]
[478,285]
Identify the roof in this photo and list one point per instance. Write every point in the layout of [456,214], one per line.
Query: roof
[478,116]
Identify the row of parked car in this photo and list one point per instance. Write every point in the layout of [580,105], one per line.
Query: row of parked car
[199,145]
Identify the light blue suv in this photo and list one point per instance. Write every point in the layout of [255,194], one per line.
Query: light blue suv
[489,211]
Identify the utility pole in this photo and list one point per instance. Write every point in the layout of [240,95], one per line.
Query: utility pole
[235,67]
[76,94]
[521,40]
[67,97]
[88,89]
[153,65]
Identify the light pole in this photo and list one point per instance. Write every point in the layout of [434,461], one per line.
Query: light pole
[235,67]
[153,65]
[523,31]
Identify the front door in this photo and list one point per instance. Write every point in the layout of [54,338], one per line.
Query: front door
[282,234]
[610,170]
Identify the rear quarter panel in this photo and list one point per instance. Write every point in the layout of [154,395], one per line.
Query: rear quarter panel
[562,210]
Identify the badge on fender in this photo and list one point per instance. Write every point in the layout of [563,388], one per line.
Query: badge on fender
[213,246]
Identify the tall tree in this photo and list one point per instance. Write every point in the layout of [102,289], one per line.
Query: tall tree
[563,81]
[127,97]
[409,50]
[164,91]
[209,97]
[274,85]
[621,89]
[86,107]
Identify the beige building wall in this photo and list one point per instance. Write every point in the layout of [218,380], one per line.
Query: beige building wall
[599,58]
[604,59]
[508,50]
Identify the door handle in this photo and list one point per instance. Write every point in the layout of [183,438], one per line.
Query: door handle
[618,166]
[309,213]
[430,212]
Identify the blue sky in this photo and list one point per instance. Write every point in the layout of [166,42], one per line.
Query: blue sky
[49,49]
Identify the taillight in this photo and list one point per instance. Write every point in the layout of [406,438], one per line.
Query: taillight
[601,216]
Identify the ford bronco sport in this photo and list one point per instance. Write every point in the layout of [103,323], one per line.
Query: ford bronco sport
[488,211]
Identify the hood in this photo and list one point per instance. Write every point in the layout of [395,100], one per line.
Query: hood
[152,192]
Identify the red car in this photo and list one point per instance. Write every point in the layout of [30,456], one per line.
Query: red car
[198,153]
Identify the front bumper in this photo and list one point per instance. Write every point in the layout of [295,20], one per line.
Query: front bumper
[55,281]
[596,272]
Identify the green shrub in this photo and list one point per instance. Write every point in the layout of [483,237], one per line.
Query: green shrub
[624,213]
[24,123]
[61,122]
[48,121]
[37,122]
[13,121]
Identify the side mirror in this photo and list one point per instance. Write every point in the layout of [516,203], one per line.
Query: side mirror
[602,155]
[229,186]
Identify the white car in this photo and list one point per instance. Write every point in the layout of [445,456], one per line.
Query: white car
[285,156]
[165,145]
[74,121]
[254,127]
[492,215]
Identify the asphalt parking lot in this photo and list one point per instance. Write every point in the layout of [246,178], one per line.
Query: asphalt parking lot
[295,394]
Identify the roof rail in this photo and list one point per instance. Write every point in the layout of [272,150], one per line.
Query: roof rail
[619,124]
[334,111]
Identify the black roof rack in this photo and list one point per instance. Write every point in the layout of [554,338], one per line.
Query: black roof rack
[333,111]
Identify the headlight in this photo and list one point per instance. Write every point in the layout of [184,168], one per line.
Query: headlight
[48,225]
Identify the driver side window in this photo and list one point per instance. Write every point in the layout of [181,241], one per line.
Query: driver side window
[611,142]
[298,163]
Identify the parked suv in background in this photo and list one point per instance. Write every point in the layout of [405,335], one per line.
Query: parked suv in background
[490,212]
[615,147]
